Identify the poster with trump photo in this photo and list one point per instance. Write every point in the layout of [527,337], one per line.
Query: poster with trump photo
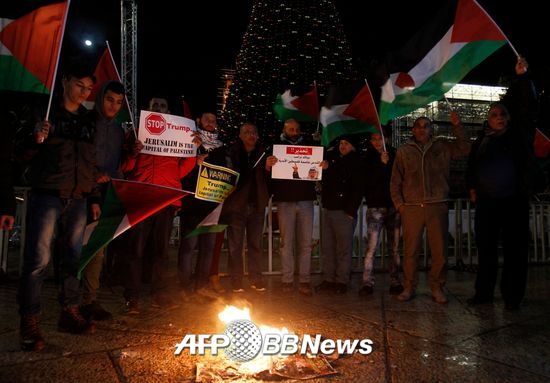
[166,135]
[296,162]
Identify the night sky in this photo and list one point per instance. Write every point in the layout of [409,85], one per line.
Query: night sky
[183,44]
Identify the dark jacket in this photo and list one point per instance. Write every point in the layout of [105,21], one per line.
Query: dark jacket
[378,177]
[291,190]
[65,163]
[502,165]
[109,139]
[343,182]
[252,186]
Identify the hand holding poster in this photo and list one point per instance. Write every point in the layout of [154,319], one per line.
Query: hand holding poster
[166,135]
[215,183]
[297,162]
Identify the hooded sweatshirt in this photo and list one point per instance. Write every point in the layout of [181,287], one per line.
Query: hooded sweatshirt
[109,139]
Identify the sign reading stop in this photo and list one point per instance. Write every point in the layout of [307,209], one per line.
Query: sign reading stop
[155,124]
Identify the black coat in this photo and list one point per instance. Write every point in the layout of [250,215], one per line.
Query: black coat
[378,177]
[343,182]
[65,164]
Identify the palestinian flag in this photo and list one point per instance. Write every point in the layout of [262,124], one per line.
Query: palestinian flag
[460,37]
[209,224]
[348,110]
[126,204]
[29,48]
[106,70]
[301,108]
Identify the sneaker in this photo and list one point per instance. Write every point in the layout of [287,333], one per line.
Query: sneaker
[396,289]
[439,297]
[406,295]
[95,311]
[71,320]
[207,292]
[30,336]
[340,288]
[216,285]
[325,286]
[366,290]
[287,287]
[132,307]
[305,289]
[258,286]
[161,301]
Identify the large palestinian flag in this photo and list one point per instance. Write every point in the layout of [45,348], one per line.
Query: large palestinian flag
[460,37]
[29,47]
[301,108]
[348,109]
[126,204]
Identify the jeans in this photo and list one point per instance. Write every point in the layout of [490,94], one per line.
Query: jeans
[251,221]
[378,218]
[295,221]
[45,212]
[206,243]
[337,245]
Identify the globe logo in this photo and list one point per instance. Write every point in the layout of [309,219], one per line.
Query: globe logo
[245,340]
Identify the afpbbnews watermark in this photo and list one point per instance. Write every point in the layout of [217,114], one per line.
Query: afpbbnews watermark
[243,341]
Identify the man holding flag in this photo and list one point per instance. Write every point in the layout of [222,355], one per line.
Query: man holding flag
[63,175]
[420,189]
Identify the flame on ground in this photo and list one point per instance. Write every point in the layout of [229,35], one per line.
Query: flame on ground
[261,362]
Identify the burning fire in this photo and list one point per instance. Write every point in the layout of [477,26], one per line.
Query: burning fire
[261,362]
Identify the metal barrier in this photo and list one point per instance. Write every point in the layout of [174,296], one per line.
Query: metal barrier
[461,250]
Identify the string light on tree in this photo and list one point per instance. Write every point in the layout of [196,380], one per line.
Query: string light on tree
[288,44]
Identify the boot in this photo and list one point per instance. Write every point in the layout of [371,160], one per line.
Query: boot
[29,329]
[215,284]
[94,311]
[72,321]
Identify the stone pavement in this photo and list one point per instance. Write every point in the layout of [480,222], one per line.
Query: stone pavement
[416,341]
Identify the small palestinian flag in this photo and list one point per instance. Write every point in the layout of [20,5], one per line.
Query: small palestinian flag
[301,108]
[349,110]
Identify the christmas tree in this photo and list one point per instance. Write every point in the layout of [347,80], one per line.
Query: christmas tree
[289,44]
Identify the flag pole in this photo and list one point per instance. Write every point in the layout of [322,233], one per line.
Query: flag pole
[316,93]
[125,95]
[500,30]
[378,126]
[448,103]
[57,61]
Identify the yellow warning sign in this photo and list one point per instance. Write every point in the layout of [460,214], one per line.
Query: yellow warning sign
[215,183]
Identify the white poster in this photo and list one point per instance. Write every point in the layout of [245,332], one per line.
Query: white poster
[166,135]
[297,162]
